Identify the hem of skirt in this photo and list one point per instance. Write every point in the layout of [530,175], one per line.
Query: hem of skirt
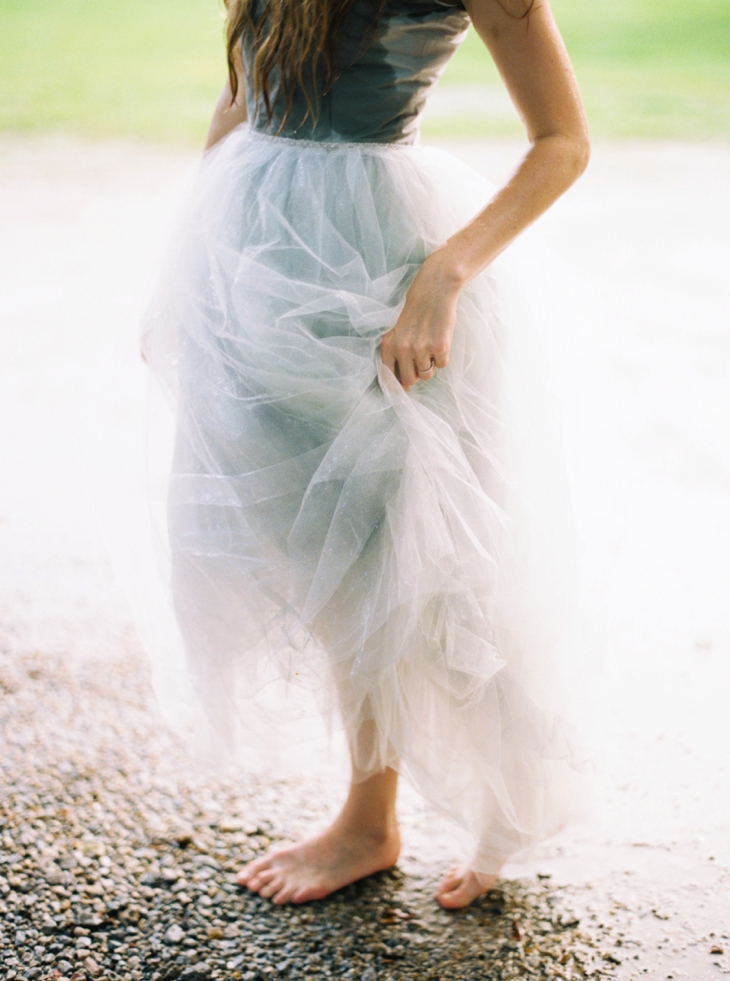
[256,134]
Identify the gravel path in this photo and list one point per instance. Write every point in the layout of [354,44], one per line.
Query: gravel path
[116,862]
[114,866]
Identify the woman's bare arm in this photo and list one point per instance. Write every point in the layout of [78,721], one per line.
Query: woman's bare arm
[534,64]
[228,114]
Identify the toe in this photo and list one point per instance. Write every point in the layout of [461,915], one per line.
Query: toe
[452,880]
[271,887]
[466,893]
[310,893]
[250,870]
[256,883]
[284,895]
[466,888]
[263,878]
[451,900]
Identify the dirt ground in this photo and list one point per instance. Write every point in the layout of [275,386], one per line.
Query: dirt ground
[630,272]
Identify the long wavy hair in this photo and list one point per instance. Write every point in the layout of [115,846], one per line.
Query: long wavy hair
[295,39]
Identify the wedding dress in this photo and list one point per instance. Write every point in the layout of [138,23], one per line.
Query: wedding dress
[403,557]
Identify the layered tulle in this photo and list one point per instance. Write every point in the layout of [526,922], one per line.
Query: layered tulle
[404,556]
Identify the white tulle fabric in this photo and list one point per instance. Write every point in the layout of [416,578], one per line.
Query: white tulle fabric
[404,557]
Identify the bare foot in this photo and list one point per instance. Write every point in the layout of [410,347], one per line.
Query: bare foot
[462,886]
[318,866]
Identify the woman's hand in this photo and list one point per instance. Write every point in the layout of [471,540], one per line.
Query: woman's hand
[420,341]
[527,49]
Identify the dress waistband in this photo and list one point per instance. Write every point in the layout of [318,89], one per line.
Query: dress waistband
[327,144]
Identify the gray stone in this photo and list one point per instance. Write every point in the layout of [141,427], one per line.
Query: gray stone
[89,920]
[48,925]
[54,876]
[174,934]
[196,972]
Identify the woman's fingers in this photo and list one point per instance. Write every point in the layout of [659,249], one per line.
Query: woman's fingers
[387,352]
[425,375]
[409,362]
[418,344]
[440,355]
[406,365]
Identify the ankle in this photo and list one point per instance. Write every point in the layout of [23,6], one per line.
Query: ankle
[384,831]
[378,828]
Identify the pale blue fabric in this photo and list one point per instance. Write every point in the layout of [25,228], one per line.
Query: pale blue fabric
[402,557]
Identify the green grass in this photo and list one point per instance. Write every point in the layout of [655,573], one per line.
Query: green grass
[646,67]
[152,69]
[140,68]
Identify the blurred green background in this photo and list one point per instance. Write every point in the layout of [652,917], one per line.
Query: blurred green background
[152,69]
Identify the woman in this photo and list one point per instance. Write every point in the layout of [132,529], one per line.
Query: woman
[360,500]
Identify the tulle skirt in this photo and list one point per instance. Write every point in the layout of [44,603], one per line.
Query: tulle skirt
[403,558]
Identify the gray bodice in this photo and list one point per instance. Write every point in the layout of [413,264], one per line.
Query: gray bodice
[381,88]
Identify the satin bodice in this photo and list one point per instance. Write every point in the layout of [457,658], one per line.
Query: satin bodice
[381,87]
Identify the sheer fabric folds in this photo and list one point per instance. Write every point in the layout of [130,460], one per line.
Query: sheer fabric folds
[404,557]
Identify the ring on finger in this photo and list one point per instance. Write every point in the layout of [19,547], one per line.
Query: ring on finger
[425,371]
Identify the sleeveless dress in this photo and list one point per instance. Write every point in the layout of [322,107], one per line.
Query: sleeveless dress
[401,557]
